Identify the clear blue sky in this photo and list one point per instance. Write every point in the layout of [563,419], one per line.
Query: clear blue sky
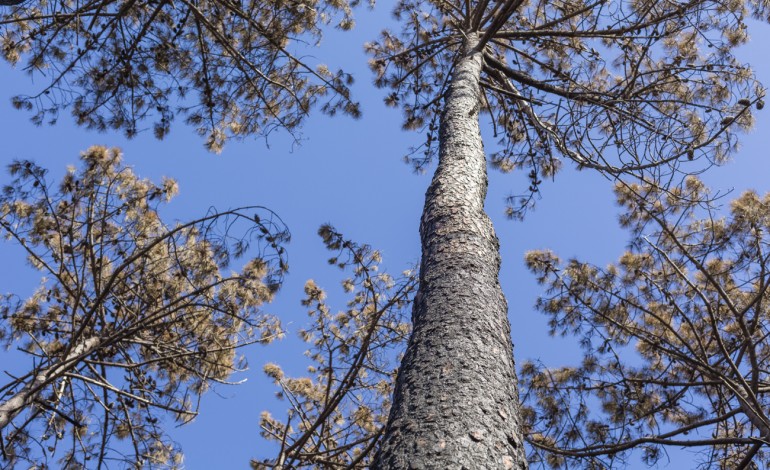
[350,173]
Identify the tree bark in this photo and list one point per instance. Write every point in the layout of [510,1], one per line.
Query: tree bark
[455,404]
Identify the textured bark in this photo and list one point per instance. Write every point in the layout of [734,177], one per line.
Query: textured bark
[456,402]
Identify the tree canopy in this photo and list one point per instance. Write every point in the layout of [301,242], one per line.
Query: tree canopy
[230,69]
[621,87]
[674,338]
[626,88]
[133,319]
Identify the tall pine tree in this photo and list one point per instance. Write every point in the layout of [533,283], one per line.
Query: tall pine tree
[631,89]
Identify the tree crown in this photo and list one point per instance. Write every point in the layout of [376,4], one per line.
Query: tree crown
[133,319]
[618,86]
[674,338]
[230,69]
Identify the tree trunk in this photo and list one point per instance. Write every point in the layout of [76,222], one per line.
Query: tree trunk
[456,401]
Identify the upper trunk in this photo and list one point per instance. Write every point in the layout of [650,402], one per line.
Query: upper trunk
[456,401]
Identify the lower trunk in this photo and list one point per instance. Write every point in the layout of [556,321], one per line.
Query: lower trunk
[456,402]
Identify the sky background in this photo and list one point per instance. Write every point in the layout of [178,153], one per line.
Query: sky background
[348,173]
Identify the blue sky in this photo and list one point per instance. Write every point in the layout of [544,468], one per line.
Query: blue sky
[349,173]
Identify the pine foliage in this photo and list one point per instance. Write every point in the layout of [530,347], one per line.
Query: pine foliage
[622,87]
[133,319]
[338,410]
[674,338]
[228,68]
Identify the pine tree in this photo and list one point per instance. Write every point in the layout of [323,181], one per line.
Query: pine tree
[133,319]
[229,68]
[674,338]
[631,89]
